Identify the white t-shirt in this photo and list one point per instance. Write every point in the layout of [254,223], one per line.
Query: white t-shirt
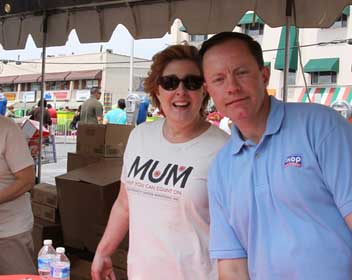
[15,216]
[168,204]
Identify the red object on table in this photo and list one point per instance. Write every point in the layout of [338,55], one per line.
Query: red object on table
[20,277]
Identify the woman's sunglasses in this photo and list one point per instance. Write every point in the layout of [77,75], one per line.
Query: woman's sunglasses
[190,82]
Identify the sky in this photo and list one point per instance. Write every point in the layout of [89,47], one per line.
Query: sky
[120,43]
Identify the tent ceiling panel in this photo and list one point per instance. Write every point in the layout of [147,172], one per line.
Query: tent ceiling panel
[95,20]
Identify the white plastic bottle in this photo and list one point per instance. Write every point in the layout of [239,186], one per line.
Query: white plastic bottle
[45,256]
[60,266]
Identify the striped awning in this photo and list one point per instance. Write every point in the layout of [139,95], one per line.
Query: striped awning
[248,19]
[325,95]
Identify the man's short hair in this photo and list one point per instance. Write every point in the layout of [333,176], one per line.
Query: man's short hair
[49,106]
[253,46]
[121,103]
[95,90]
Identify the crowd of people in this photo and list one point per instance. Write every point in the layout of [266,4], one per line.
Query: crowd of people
[270,201]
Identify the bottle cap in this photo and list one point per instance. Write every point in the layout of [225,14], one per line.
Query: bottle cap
[48,242]
[60,250]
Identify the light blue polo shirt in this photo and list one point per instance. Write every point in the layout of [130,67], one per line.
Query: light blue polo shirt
[116,116]
[281,203]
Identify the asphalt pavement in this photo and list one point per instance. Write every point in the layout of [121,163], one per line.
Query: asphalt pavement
[51,170]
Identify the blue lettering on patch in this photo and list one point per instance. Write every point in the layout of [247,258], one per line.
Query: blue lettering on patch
[293,160]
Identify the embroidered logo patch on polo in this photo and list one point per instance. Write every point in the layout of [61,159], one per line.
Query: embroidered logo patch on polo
[294,160]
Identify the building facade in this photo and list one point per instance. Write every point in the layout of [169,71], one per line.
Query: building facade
[68,79]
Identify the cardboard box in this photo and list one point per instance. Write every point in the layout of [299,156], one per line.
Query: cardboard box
[103,140]
[86,196]
[45,230]
[76,161]
[45,194]
[95,235]
[80,270]
[30,129]
[45,212]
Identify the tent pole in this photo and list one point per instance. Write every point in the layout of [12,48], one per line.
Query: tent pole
[131,64]
[286,65]
[287,48]
[42,89]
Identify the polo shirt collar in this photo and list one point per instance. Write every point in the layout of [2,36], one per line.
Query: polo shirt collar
[273,124]
[276,116]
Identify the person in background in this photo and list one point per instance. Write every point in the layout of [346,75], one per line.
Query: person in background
[143,110]
[16,218]
[280,196]
[92,109]
[52,113]
[10,112]
[118,115]
[3,103]
[214,117]
[35,115]
[76,118]
[225,125]
[163,193]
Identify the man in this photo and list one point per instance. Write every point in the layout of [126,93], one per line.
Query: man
[118,115]
[92,110]
[143,109]
[35,115]
[52,113]
[3,103]
[16,218]
[280,190]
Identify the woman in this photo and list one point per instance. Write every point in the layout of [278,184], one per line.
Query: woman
[163,197]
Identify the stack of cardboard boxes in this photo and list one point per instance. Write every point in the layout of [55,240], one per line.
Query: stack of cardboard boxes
[46,216]
[88,190]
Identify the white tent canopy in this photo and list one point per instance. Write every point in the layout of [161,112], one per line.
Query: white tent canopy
[95,20]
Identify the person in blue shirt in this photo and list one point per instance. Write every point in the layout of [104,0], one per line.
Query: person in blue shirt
[118,115]
[3,104]
[143,110]
[280,190]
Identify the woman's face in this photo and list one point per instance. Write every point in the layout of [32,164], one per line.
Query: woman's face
[181,101]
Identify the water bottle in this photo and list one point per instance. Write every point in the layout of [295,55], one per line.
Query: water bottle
[60,266]
[45,256]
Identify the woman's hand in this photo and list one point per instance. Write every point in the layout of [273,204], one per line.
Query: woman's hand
[102,268]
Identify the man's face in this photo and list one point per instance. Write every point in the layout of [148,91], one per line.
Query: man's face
[98,94]
[235,82]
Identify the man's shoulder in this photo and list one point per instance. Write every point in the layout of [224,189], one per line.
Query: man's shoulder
[91,102]
[310,113]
